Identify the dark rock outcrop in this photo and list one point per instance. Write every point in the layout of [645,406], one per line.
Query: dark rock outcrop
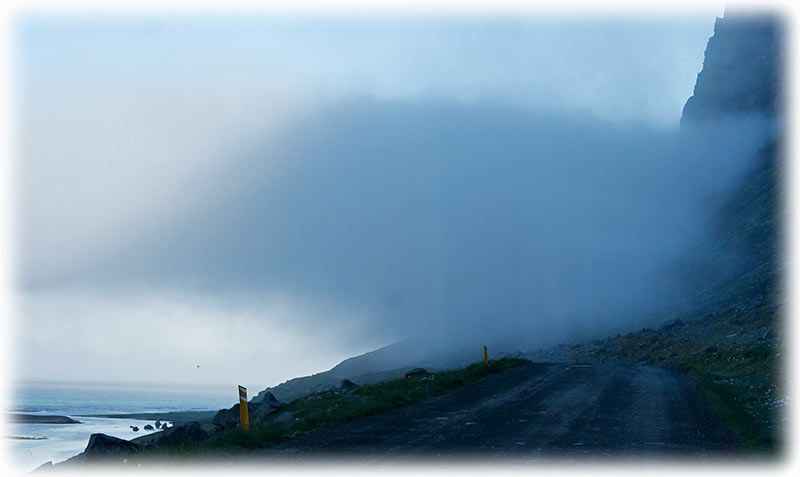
[261,410]
[740,264]
[105,448]
[417,372]
[263,396]
[229,418]
[348,386]
[285,416]
[266,397]
[189,432]
[742,69]
[149,427]
[134,428]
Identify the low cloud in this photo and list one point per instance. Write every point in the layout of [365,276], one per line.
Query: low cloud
[452,219]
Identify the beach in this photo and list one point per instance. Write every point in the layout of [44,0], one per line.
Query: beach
[53,421]
[31,445]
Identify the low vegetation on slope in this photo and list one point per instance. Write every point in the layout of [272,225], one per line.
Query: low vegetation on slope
[734,354]
[327,408]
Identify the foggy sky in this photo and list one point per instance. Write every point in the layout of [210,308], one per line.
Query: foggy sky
[265,198]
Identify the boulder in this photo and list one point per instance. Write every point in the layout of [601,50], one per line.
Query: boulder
[260,407]
[348,386]
[260,411]
[417,372]
[134,429]
[268,398]
[149,427]
[285,416]
[158,424]
[189,432]
[227,418]
[104,448]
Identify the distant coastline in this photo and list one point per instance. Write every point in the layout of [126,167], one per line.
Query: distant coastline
[177,417]
[53,409]
[39,419]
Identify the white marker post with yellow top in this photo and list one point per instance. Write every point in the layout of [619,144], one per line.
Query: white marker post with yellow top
[243,416]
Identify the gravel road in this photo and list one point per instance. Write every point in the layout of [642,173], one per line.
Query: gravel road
[535,411]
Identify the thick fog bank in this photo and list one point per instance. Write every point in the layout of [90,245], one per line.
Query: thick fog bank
[460,221]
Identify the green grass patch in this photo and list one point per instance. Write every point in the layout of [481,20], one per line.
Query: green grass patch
[332,407]
[323,409]
[733,401]
[732,354]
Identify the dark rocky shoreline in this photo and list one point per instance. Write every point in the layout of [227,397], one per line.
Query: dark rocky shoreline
[37,419]
[176,417]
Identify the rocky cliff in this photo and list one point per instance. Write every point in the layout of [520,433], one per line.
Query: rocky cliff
[742,70]
[742,76]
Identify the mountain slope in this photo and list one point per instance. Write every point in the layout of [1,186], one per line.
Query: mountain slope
[728,333]
[741,264]
[733,279]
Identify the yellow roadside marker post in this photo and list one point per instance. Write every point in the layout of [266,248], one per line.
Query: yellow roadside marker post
[244,418]
[485,355]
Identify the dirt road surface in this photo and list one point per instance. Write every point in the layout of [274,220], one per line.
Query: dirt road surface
[535,411]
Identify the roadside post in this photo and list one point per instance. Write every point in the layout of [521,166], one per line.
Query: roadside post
[485,355]
[243,416]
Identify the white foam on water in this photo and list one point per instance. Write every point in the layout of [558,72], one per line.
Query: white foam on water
[63,440]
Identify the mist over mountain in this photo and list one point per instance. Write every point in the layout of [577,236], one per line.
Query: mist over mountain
[452,216]
[460,221]
[741,263]
[713,208]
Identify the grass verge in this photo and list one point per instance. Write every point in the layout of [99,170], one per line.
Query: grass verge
[734,356]
[327,408]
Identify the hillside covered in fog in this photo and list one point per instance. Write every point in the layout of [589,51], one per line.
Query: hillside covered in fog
[660,225]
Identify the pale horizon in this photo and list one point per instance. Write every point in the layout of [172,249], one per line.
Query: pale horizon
[159,108]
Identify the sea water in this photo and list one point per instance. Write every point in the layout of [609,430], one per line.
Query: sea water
[30,445]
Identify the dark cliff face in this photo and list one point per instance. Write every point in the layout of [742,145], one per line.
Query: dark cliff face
[742,76]
[742,70]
